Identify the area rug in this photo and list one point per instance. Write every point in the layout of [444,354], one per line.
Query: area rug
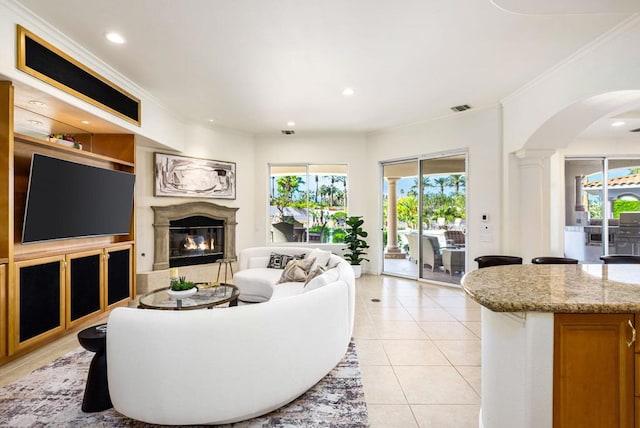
[52,396]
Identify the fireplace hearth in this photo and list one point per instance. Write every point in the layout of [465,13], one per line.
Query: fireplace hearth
[193,233]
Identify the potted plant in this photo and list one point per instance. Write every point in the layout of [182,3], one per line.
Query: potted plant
[181,289]
[355,244]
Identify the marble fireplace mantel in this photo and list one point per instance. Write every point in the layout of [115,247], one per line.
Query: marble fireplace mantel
[163,215]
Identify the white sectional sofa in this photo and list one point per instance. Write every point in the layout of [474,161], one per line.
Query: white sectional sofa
[257,282]
[228,364]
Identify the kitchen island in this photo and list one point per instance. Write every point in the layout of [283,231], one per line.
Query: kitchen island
[587,312]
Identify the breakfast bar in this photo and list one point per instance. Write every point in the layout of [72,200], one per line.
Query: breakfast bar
[558,344]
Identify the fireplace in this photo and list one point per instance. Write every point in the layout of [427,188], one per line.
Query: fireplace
[193,233]
[195,240]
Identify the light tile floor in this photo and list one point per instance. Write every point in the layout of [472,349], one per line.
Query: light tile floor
[419,352]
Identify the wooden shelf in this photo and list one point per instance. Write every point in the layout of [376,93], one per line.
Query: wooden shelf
[77,152]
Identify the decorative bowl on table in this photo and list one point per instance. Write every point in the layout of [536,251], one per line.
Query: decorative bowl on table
[182,294]
[181,289]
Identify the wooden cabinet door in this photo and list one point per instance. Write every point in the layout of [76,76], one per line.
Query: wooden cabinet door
[36,309]
[4,320]
[119,275]
[593,371]
[84,286]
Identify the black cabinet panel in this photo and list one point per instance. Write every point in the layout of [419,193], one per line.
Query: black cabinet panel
[85,286]
[39,299]
[119,275]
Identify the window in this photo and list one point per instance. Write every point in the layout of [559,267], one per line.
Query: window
[600,214]
[307,203]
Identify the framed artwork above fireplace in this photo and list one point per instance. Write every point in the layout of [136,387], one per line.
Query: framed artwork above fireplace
[193,177]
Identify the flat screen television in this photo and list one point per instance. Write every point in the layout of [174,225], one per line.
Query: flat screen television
[70,200]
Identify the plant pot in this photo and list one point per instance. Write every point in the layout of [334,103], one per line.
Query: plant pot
[357,270]
[182,294]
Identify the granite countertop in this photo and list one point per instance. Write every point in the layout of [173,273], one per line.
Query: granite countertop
[578,288]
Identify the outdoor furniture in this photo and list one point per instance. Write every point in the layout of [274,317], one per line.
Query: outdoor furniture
[497,260]
[620,259]
[414,252]
[554,261]
[453,260]
[432,254]
[455,237]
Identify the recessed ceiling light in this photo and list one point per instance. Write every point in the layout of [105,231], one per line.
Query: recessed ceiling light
[34,122]
[211,120]
[291,123]
[37,103]
[115,38]
[347,92]
[618,123]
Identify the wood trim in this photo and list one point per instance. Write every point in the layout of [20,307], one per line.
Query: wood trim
[23,34]
[54,147]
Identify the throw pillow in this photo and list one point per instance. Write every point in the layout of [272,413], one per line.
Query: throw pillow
[296,271]
[317,271]
[279,261]
[329,276]
[322,257]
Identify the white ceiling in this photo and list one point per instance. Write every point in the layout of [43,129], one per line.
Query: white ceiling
[254,65]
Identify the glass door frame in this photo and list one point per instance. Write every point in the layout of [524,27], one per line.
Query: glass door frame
[420,173]
[606,206]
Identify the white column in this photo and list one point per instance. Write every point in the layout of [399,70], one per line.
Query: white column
[392,250]
[534,202]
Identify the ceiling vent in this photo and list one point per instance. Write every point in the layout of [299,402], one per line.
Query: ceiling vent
[635,130]
[462,107]
[288,131]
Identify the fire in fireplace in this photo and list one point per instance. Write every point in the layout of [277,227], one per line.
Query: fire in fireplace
[195,240]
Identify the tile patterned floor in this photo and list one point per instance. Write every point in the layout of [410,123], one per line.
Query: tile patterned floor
[419,351]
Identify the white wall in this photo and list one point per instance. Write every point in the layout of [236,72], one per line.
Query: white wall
[479,132]
[199,142]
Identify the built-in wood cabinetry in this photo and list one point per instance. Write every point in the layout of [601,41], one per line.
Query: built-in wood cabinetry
[594,371]
[52,288]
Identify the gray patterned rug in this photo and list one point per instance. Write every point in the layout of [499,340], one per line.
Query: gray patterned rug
[52,395]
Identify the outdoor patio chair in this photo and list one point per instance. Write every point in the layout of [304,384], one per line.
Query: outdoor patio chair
[455,237]
[414,252]
[432,253]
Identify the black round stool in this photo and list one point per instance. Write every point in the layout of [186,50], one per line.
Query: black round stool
[96,393]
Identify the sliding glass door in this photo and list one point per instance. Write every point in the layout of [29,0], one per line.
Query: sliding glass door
[425,218]
[602,207]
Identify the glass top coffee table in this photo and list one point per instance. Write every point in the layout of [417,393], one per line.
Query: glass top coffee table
[207,296]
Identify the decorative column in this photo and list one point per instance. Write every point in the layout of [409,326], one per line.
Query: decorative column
[392,251]
[534,203]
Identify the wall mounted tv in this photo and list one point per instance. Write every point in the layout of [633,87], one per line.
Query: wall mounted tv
[71,200]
